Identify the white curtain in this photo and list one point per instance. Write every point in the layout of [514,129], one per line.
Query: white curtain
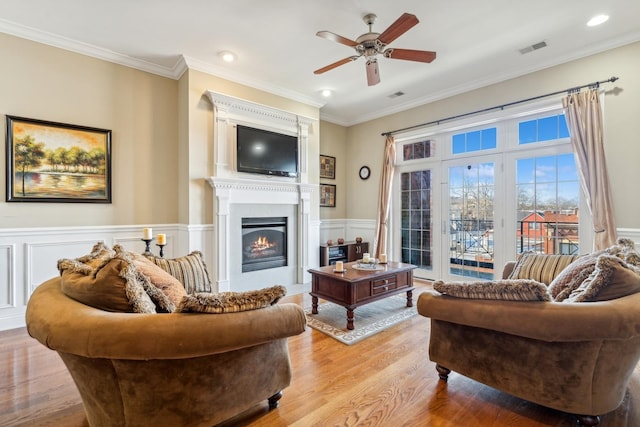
[384,197]
[584,117]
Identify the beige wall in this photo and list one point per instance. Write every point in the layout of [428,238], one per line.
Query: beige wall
[200,140]
[162,133]
[46,83]
[334,143]
[621,114]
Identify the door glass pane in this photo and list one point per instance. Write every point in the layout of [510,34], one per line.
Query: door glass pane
[416,218]
[471,195]
[548,198]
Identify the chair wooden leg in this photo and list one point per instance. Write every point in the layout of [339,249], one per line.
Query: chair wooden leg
[443,372]
[273,400]
[588,420]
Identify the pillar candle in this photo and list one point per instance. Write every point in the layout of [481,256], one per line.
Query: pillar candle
[339,266]
[365,257]
[383,257]
[162,239]
[147,233]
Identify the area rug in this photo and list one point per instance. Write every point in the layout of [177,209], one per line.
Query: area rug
[368,319]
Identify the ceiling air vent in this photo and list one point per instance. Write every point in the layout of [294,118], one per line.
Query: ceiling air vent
[533,47]
[397,94]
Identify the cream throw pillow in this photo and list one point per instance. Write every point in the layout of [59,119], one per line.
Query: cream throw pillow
[540,267]
[507,289]
[190,270]
[231,302]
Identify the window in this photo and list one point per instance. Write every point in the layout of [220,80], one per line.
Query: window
[478,140]
[519,191]
[543,129]
[416,150]
[416,227]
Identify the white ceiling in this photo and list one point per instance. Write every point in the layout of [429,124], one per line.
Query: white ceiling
[477,43]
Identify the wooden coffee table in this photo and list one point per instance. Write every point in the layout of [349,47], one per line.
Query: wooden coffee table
[354,288]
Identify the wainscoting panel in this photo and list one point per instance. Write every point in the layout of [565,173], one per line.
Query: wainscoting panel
[348,229]
[29,256]
[7,280]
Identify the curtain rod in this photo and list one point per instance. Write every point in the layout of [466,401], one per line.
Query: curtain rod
[594,85]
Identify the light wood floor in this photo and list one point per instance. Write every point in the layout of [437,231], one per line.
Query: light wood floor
[385,380]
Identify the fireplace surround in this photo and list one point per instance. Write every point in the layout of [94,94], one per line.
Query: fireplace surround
[238,195]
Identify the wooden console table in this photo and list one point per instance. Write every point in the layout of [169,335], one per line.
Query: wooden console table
[345,252]
[354,288]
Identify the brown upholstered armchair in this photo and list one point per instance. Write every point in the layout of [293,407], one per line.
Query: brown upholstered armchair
[177,369]
[573,357]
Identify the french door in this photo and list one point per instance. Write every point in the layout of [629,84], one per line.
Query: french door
[470,222]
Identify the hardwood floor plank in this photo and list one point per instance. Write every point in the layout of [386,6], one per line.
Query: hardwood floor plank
[384,380]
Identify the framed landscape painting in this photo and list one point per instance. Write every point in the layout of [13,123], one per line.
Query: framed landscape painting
[56,162]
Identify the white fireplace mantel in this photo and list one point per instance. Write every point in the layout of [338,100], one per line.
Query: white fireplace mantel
[229,192]
[232,188]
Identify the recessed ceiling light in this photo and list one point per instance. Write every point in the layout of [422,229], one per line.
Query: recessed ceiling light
[597,20]
[326,93]
[227,56]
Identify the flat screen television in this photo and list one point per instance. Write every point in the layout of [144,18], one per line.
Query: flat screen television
[265,152]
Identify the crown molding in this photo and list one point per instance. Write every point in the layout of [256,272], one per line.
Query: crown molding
[205,67]
[75,46]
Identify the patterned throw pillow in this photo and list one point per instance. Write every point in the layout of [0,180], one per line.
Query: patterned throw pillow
[190,270]
[231,302]
[507,289]
[612,278]
[540,267]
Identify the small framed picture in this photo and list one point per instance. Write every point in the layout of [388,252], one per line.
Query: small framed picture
[57,162]
[327,167]
[328,195]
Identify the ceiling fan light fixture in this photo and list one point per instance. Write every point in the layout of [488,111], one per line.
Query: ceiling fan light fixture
[373,75]
[597,20]
[227,56]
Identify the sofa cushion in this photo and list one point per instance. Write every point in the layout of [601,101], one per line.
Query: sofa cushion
[114,286]
[577,272]
[540,267]
[231,302]
[507,289]
[190,270]
[612,278]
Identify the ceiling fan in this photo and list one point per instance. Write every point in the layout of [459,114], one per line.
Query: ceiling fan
[371,44]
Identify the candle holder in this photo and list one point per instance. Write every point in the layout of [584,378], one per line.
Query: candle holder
[147,249]
[161,249]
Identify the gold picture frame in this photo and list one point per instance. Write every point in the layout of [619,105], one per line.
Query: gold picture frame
[57,162]
[327,167]
[328,195]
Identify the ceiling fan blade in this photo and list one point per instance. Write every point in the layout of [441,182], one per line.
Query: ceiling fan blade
[336,38]
[373,74]
[410,55]
[398,28]
[335,64]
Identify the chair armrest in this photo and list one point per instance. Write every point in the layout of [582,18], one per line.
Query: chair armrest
[66,325]
[547,321]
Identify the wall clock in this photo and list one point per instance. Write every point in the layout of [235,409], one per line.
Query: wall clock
[365,172]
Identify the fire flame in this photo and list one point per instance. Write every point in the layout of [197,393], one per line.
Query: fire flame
[262,243]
